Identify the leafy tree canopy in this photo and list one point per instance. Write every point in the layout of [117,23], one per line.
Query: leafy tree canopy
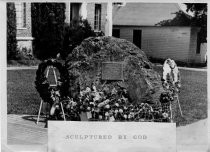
[199,19]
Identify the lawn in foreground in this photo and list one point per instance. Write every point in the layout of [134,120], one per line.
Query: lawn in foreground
[22,97]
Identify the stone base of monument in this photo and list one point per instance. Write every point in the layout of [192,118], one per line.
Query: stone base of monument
[111,137]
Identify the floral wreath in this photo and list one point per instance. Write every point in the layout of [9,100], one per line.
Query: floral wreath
[42,85]
[171,76]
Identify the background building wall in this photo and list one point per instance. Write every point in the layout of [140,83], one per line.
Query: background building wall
[24,34]
[196,57]
[91,14]
[161,42]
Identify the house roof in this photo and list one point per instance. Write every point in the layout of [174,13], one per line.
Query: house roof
[143,14]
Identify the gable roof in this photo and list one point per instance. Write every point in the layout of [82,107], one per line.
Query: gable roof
[143,14]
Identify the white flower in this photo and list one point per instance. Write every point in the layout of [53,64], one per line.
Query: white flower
[100,117]
[94,89]
[88,89]
[107,106]
[120,110]
[165,115]
[97,96]
[116,111]
[106,101]
[125,116]
[106,114]
[117,104]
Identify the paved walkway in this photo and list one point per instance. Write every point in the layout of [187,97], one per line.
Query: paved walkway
[193,137]
[23,130]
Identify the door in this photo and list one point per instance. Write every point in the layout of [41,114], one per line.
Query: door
[137,38]
[116,33]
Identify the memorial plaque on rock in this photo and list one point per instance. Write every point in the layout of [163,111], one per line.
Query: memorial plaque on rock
[112,71]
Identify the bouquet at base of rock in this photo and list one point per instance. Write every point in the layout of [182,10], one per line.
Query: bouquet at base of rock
[166,98]
[143,112]
[108,105]
[113,106]
[71,110]
[55,108]
[69,107]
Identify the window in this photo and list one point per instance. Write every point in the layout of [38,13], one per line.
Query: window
[116,33]
[21,14]
[97,18]
[75,8]
[137,38]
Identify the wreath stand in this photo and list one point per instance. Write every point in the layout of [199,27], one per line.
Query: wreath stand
[41,103]
[177,100]
[176,96]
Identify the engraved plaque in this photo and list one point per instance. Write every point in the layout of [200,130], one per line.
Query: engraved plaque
[112,71]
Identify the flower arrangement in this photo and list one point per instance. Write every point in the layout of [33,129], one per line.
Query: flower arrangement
[112,106]
[42,85]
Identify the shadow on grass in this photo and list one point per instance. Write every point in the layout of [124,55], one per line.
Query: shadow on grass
[34,118]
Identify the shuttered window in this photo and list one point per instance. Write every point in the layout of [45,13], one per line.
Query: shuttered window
[97,17]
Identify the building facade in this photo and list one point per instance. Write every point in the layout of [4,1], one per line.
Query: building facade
[159,42]
[24,28]
[98,15]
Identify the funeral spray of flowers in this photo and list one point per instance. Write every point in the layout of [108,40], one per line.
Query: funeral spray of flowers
[113,105]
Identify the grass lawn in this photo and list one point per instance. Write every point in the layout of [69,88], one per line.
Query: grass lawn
[22,97]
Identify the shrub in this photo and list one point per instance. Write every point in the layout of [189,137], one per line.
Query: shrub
[48,26]
[75,33]
[24,54]
[11,32]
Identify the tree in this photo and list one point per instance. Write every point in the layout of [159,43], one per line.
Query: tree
[181,19]
[75,33]
[11,32]
[198,19]
[47,29]
[198,9]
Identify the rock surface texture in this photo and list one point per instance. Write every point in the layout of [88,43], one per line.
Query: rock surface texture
[84,66]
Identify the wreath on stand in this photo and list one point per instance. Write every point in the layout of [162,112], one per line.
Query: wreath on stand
[171,81]
[53,94]
[42,84]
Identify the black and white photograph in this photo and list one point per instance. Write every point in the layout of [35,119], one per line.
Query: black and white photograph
[105,76]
